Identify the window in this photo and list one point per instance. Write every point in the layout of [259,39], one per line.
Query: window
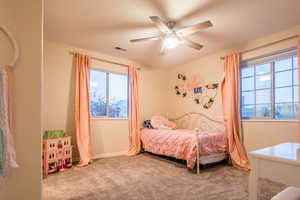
[269,87]
[108,94]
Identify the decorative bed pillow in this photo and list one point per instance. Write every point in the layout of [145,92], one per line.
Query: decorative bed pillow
[147,124]
[157,121]
[164,127]
[170,124]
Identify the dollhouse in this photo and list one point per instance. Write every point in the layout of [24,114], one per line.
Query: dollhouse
[57,154]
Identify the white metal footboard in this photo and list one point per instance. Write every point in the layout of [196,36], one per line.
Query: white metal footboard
[199,122]
[198,149]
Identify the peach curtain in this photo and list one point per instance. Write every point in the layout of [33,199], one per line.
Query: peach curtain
[231,106]
[134,113]
[299,82]
[82,108]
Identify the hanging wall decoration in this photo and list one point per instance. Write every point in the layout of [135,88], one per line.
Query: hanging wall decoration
[203,95]
[7,148]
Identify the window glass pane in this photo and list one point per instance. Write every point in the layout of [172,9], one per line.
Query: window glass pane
[283,95]
[285,64]
[283,79]
[98,93]
[295,62]
[263,110]
[248,84]
[248,111]
[247,71]
[295,77]
[263,69]
[296,94]
[295,110]
[284,111]
[263,81]
[258,95]
[118,96]
[247,98]
[263,96]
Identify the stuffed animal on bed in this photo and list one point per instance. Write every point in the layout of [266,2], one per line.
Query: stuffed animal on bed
[147,124]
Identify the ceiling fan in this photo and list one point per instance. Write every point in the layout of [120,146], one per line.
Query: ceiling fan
[172,38]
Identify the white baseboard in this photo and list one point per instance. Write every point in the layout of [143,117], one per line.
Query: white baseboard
[108,155]
[103,155]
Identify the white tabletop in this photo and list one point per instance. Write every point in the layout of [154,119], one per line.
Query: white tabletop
[285,152]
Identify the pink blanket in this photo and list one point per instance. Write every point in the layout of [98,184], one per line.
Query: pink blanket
[181,143]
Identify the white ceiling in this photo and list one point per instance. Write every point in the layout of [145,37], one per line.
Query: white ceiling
[100,25]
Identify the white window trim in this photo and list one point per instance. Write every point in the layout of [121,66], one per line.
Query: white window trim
[107,96]
[107,118]
[272,57]
[269,120]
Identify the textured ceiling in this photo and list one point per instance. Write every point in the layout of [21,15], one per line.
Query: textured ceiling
[100,25]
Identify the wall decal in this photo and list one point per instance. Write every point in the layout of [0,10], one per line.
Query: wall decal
[203,95]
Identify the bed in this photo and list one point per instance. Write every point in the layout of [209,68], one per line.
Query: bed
[198,139]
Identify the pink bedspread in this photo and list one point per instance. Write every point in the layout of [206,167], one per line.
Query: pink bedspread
[181,143]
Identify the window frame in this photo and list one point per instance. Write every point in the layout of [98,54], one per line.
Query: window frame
[270,59]
[107,117]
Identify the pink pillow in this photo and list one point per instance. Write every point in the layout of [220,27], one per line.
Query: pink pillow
[157,121]
[170,124]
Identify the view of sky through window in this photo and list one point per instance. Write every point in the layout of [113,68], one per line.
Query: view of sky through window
[98,93]
[118,95]
[108,94]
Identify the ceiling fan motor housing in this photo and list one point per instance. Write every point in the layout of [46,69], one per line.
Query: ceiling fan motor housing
[171,24]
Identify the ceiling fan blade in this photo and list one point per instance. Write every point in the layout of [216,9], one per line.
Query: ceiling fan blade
[148,38]
[160,24]
[193,29]
[191,44]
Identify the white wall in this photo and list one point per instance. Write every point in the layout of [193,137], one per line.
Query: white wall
[157,95]
[210,68]
[24,19]
[109,135]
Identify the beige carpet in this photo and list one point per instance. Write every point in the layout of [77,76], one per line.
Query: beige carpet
[148,177]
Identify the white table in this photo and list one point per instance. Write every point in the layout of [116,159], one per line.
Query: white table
[279,163]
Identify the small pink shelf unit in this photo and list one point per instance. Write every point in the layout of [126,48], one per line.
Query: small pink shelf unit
[57,154]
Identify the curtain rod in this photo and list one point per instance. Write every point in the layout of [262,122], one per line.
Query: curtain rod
[266,45]
[107,61]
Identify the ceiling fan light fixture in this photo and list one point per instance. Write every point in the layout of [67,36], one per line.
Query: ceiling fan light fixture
[171,42]
[171,37]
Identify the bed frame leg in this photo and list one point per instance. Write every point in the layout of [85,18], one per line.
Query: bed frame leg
[198,166]
[198,151]
[229,160]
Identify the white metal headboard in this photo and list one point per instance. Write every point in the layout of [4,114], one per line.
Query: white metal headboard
[14,44]
[200,121]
